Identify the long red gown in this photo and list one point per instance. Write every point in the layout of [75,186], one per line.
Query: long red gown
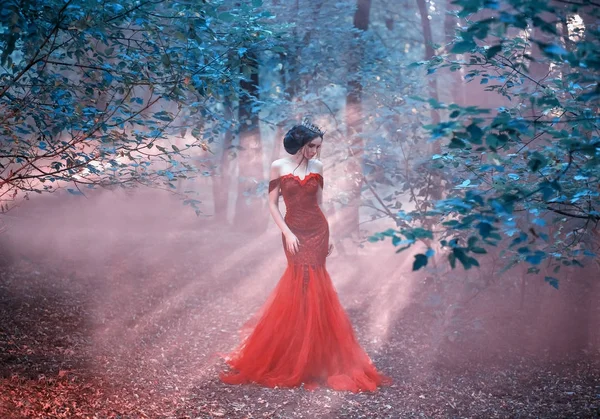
[303,335]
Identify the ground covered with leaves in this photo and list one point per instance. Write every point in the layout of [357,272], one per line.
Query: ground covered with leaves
[134,329]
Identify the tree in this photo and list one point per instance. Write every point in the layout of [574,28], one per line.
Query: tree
[89,95]
[251,157]
[523,178]
[429,54]
[355,117]
[222,180]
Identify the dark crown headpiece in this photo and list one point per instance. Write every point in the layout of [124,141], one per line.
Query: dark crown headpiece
[306,123]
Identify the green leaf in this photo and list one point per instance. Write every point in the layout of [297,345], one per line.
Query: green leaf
[492,51]
[475,133]
[552,281]
[457,143]
[535,258]
[74,191]
[226,17]
[485,229]
[461,255]
[577,263]
[495,236]
[420,261]
[452,260]
[537,162]
[554,49]
[162,116]
[492,141]
[472,262]
[463,46]
[472,240]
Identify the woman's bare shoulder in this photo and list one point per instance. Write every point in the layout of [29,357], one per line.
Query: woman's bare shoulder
[318,166]
[276,168]
[278,163]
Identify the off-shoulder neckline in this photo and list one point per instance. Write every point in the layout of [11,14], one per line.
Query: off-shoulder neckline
[301,182]
[298,177]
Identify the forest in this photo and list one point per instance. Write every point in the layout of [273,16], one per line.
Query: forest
[461,162]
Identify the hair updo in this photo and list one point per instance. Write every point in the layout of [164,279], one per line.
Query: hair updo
[297,137]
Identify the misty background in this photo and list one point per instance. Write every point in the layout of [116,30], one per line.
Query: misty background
[460,181]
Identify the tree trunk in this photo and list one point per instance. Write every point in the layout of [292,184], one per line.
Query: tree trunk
[222,181]
[279,131]
[354,117]
[584,319]
[539,67]
[429,53]
[277,143]
[456,89]
[249,209]
[592,23]
[582,305]
[292,80]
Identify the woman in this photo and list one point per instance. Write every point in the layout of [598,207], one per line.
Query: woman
[303,335]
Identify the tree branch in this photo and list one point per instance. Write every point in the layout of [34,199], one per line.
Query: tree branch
[35,58]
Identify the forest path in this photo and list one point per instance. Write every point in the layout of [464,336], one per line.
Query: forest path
[128,321]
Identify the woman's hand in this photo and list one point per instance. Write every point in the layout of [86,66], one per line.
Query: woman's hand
[330,249]
[292,242]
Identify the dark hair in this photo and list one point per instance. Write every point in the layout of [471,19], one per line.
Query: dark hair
[297,137]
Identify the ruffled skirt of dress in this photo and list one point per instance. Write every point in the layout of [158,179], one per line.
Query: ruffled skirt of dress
[302,335]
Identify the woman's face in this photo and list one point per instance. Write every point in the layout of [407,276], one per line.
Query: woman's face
[312,148]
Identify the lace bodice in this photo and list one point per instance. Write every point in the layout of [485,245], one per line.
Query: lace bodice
[304,217]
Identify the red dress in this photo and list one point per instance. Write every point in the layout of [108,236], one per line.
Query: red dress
[303,335]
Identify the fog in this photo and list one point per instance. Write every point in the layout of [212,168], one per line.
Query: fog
[160,285]
[123,302]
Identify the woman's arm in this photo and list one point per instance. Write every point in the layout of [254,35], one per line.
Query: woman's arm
[319,169]
[274,201]
[291,241]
